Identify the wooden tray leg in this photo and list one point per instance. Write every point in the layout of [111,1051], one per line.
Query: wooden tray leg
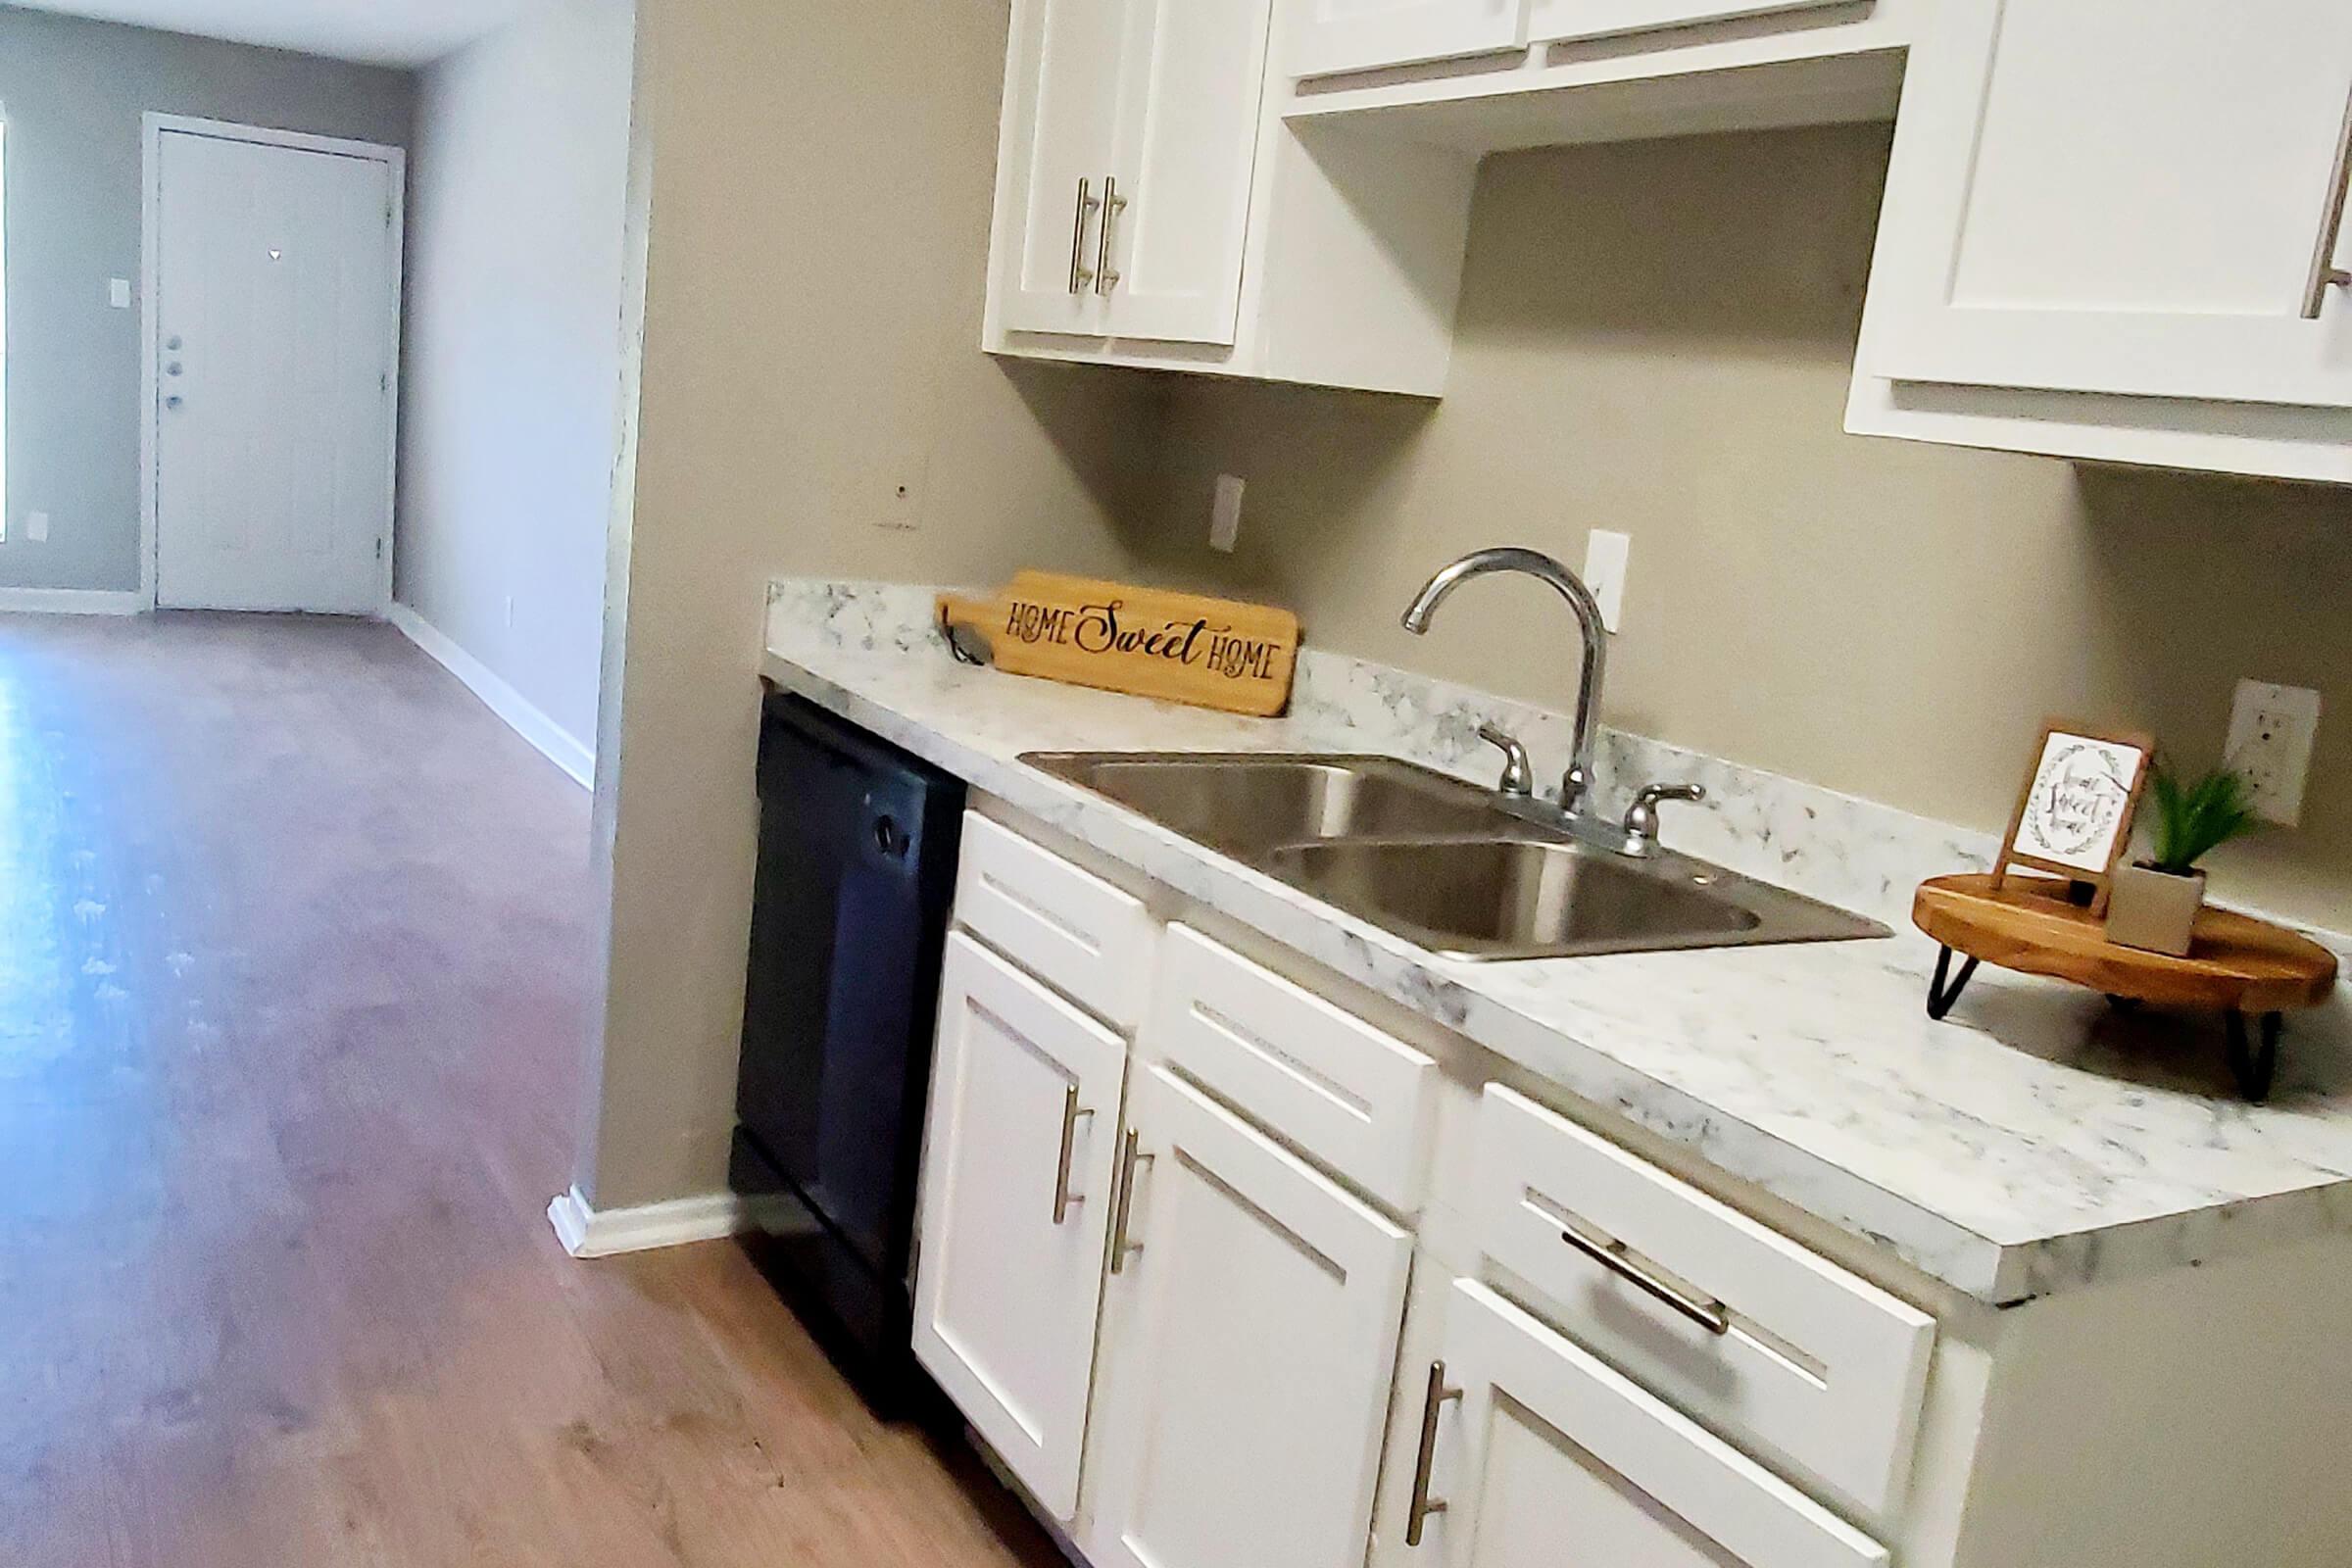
[2255,1068]
[1942,996]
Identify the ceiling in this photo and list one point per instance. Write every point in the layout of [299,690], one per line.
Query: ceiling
[386,32]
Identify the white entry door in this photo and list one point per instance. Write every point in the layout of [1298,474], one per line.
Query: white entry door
[276,317]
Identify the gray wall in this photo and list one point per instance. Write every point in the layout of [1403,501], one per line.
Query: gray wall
[512,367]
[74,92]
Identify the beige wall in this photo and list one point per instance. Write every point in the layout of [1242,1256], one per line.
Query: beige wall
[821,184]
[1657,338]
[1654,337]
[512,359]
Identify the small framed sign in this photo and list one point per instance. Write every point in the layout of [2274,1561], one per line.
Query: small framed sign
[2074,819]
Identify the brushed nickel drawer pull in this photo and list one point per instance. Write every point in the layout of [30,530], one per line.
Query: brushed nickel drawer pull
[1710,1316]
[2324,274]
[1064,1199]
[1080,277]
[1120,1247]
[1434,1399]
[1113,204]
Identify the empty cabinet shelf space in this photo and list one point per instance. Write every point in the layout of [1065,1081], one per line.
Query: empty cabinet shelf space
[2113,229]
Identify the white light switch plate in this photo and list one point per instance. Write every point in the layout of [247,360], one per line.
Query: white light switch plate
[118,293]
[1607,557]
[1225,516]
[36,527]
[2271,733]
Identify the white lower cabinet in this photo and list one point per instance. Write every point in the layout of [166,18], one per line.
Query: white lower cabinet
[1172,1303]
[1250,1344]
[1024,1113]
[1535,1454]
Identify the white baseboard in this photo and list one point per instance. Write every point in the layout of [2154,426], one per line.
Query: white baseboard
[73,602]
[587,1233]
[525,720]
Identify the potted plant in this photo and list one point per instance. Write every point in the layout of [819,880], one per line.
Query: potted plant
[2155,902]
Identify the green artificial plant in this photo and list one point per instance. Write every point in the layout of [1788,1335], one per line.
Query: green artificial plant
[2196,816]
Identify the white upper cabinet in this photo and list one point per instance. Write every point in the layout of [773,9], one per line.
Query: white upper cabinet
[1563,20]
[1153,210]
[1067,59]
[1331,36]
[1131,127]
[2129,197]
[1192,77]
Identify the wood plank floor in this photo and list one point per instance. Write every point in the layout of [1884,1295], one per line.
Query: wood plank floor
[294,978]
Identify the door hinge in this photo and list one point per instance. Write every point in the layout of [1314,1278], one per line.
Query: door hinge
[383,383]
[379,549]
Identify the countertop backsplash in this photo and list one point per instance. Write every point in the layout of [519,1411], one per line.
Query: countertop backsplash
[1852,853]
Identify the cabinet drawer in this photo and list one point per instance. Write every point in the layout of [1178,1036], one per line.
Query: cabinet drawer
[1342,1091]
[1750,1332]
[1068,927]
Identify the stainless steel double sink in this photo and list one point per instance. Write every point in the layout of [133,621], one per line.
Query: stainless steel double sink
[1441,862]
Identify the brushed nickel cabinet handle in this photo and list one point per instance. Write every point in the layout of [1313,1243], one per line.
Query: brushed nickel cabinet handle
[1064,1199]
[1434,1399]
[1113,204]
[2324,274]
[1129,1158]
[1710,1316]
[1080,277]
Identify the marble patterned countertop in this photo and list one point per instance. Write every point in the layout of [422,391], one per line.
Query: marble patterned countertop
[2031,1143]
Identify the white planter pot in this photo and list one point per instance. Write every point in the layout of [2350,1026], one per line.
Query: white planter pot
[2155,910]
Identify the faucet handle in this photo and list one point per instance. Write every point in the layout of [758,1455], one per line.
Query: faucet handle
[1518,773]
[1642,817]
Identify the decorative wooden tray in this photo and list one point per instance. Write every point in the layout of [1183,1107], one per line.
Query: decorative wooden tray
[2245,968]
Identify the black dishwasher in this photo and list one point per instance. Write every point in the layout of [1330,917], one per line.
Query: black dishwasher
[857,843]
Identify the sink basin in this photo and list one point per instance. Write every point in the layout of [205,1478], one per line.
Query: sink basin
[1439,861]
[1245,804]
[1490,900]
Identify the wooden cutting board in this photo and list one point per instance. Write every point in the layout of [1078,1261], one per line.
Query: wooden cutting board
[1181,647]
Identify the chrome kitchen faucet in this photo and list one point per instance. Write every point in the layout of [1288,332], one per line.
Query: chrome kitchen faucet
[1637,835]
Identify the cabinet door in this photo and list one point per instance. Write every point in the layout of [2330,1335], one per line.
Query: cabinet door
[1547,1458]
[1335,35]
[2122,196]
[1247,1354]
[1559,20]
[1191,87]
[1060,126]
[1024,1089]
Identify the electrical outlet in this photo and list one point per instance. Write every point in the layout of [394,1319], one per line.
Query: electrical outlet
[1225,516]
[1607,557]
[2271,733]
[36,527]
